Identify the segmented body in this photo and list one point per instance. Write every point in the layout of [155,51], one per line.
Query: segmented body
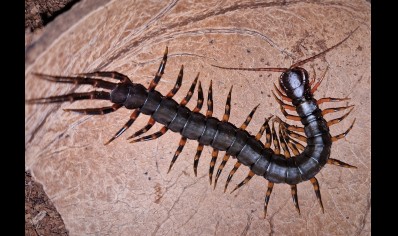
[221,135]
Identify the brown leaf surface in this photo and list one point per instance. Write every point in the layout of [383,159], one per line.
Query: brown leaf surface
[123,188]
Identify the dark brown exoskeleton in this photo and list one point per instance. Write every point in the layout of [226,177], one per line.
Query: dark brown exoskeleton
[221,135]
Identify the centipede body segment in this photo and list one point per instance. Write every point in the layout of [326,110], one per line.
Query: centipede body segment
[310,144]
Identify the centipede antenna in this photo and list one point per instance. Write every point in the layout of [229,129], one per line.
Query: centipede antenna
[299,63]
[274,69]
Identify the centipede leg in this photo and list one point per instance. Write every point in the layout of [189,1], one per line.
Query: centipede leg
[249,118]
[316,85]
[245,181]
[339,163]
[288,116]
[151,121]
[294,197]
[181,145]
[296,136]
[315,184]
[133,117]
[177,85]
[281,103]
[335,109]
[148,126]
[172,92]
[153,136]
[100,95]
[289,142]
[199,150]
[268,134]
[214,155]
[262,129]
[284,97]
[338,120]
[290,127]
[220,168]
[186,99]
[286,139]
[78,80]
[242,127]
[283,143]
[342,135]
[96,111]
[225,118]
[329,99]
[199,103]
[183,140]
[159,73]
[267,196]
[209,113]
[275,140]
[107,74]
[231,174]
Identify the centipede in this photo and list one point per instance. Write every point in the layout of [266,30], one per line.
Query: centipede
[310,143]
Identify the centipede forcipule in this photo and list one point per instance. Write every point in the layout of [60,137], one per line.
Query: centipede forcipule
[222,135]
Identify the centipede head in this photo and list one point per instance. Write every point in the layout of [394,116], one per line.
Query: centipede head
[295,83]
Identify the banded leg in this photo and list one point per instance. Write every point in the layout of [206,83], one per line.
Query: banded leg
[188,97]
[288,116]
[225,118]
[284,97]
[289,142]
[214,155]
[78,80]
[242,127]
[181,145]
[220,168]
[316,85]
[282,104]
[296,136]
[294,197]
[268,134]
[199,150]
[275,139]
[315,184]
[100,95]
[172,92]
[289,126]
[286,139]
[231,174]
[339,163]
[342,135]
[209,113]
[329,99]
[96,111]
[267,196]
[338,120]
[245,181]
[148,126]
[160,71]
[335,109]
[108,74]
[183,140]
[151,121]
[283,143]
[133,117]
[177,85]
[153,136]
